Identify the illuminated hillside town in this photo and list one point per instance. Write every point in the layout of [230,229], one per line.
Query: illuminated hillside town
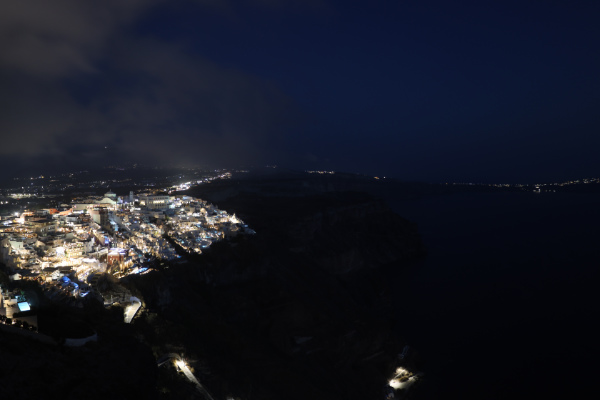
[92,235]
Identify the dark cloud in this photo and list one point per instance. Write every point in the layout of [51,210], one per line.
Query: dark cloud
[79,86]
[62,36]
[177,105]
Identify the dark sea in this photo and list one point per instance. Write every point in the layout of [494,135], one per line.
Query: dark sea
[506,304]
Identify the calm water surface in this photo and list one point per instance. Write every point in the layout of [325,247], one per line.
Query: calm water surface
[506,302]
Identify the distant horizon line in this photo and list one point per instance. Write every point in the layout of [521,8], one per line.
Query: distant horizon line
[239,169]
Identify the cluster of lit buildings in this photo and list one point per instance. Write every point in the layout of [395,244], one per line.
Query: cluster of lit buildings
[534,187]
[206,179]
[118,235]
[403,378]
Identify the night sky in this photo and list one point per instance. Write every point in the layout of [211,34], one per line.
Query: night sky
[482,91]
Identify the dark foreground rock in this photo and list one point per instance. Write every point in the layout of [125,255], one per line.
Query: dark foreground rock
[115,367]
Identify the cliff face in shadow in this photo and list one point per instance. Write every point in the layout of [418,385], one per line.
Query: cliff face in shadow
[349,237]
[297,311]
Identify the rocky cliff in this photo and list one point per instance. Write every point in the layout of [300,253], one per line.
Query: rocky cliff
[297,311]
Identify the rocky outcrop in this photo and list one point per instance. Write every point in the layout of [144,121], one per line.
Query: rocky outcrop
[351,237]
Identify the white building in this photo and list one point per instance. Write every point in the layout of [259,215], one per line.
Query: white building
[155,202]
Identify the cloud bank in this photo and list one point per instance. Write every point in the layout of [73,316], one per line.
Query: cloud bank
[80,86]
